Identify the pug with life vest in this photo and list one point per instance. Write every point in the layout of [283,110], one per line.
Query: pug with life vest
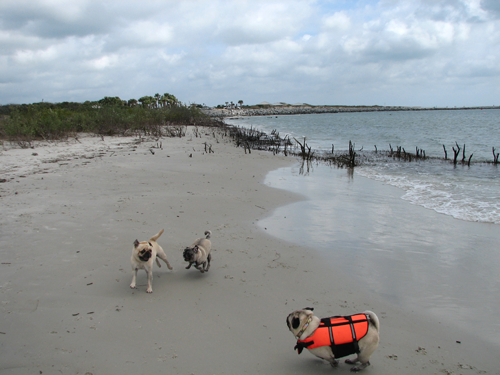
[336,336]
[199,253]
[143,256]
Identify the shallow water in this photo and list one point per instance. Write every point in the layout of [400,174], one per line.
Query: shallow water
[413,257]
[463,192]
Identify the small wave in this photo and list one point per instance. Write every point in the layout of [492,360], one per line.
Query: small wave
[463,198]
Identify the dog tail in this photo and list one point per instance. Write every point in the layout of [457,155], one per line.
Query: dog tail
[373,319]
[156,236]
[208,234]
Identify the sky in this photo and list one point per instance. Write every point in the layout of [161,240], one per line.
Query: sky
[388,52]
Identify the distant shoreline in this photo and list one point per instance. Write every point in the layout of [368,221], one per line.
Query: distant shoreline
[303,110]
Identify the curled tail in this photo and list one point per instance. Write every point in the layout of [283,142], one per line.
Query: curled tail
[156,236]
[373,319]
[208,234]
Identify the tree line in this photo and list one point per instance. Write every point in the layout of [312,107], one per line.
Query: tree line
[107,116]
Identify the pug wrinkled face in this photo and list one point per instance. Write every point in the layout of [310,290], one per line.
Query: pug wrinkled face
[189,254]
[146,252]
[294,319]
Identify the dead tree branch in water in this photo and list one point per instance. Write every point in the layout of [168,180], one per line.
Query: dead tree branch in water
[253,139]
[352,155]
[303,147]
[456,152]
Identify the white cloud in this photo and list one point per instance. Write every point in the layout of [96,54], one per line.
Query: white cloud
[337,21]
[388,51]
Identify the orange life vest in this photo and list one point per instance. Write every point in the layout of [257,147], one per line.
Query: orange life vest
[341,333]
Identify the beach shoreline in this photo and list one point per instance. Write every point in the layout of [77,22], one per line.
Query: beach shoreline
[67,231]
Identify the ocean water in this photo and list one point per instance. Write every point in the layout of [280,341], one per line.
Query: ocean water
[463,192]
[424,235]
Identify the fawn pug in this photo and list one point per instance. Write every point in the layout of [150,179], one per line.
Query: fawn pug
[337,336]
[143,256]
[199,253]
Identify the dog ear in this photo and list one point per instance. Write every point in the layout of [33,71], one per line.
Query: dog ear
[295,323]
[308,308]
[150,244]
[136,243]
[195,249]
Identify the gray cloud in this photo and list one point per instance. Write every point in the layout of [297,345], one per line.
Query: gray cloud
[391,52]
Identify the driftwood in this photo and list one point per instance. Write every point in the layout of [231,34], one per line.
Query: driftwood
[495,157]
[254,139]
[456,152]
[303,147]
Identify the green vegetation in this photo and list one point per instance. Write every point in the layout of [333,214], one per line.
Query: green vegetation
[148,115]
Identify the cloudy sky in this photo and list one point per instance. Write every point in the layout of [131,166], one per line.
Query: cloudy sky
[387,52]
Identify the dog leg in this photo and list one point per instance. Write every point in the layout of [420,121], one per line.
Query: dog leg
[199,267]
[333,362]
[209,258]
[189,266]
[134,277]
[161,254]
[367,347]
[150,281]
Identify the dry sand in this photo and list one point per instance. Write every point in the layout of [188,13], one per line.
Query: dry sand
[70,214]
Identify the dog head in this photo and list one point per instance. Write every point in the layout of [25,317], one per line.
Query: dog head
[144,250]
[297,319]
[190,254]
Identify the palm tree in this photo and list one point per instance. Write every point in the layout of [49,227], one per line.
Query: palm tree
[146,101]
[132,102]
[240,102]
[170,99]
[163,100]
[157,99]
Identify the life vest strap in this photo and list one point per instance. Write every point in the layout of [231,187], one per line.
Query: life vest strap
[343,346]
[327,322]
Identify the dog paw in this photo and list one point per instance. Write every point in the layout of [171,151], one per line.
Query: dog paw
[132,286]
[334,363]
[351,361]
[356,369]
[149,291]
[361,367]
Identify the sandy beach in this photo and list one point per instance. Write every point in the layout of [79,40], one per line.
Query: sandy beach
[70,214]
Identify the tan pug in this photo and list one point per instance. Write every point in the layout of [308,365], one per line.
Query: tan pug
[199,253]
[337,336]
[143,256]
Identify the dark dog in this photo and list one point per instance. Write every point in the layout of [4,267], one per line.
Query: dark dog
[199,253]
